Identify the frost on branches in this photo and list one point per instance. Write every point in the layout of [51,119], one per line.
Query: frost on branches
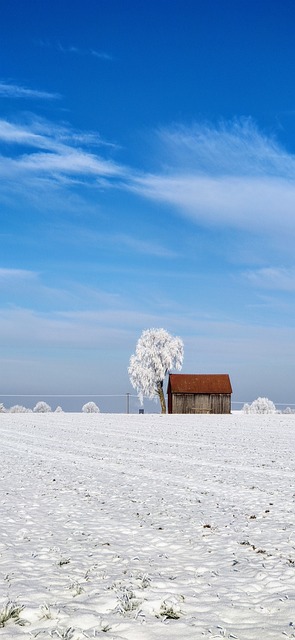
[90,407]
[157,352]
[261,405]
[42,407]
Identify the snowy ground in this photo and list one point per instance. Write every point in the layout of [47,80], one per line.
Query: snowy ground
[147,527]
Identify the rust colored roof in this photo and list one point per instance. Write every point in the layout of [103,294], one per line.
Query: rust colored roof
[191,383]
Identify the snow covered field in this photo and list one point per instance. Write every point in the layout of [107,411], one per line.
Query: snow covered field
[147,527]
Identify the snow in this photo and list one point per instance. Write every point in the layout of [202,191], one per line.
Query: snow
[147,527]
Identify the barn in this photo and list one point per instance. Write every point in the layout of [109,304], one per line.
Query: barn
[190,393]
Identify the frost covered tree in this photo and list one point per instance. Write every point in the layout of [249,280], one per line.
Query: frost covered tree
[42,407]
[18,408]
[90,407]
[157,352]
[287,410]
[260,405]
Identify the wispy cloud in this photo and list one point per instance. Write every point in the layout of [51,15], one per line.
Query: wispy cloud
[73,49]
[274,278]
[82,329]
[68,291]
[13,275]
[44,150]
[235,147]
[227,177]
[102,55]
[141,246]
[8,90]
[231,175]
[45,135]
[241,202]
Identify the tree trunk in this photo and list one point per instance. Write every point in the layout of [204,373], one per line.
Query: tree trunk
[161,396]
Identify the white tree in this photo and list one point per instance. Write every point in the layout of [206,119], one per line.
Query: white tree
[287,410]
[260,405]
[2,408]
[157,352]
[90,407]
[18,408]
[42,407]
[58,409]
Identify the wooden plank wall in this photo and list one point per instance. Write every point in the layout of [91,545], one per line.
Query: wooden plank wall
[201,403]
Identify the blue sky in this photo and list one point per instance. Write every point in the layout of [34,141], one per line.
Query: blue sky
[147,163]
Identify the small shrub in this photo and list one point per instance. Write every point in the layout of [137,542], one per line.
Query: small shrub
[127,601]
[90,407]
[144,580]
[11,611]
[46,612]
[42,407]
[63,561]
[169,611]
[288,410]
[76,587]
[260,405]
[18,408]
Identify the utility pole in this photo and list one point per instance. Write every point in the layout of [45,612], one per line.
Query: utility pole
[127,401]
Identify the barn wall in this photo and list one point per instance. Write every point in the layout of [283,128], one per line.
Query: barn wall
[199,403]
[221,403]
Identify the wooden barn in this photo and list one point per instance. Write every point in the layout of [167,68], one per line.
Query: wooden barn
[190,393]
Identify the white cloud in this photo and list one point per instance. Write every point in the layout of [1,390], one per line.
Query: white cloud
[242,202]
[232,148]
[101,54]
[72,49]
[68,161]
[228,177]
[11,133]
[84,52]
[275,278]
[52,153]
[42,134]
[8,90]
[140,246]
[66,294]
[232,175]
[105,329]
[11,275]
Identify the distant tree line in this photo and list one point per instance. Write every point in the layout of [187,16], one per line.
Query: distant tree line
[264,405]
[43,407]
